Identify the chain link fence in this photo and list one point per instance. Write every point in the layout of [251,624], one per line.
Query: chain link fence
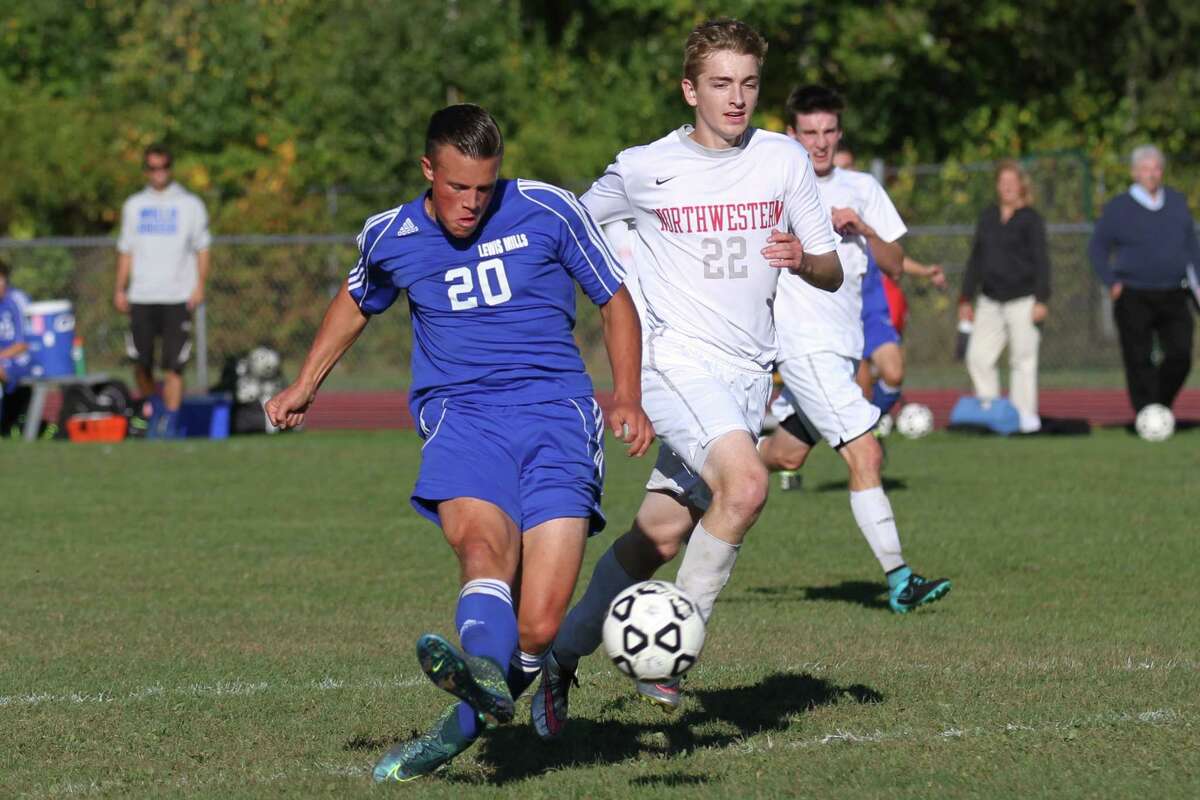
[273,290]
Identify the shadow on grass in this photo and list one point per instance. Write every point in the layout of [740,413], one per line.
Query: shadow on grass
[889,485]
[513,753]
[864,593]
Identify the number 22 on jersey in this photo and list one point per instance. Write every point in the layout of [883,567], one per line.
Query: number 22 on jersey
[491,279]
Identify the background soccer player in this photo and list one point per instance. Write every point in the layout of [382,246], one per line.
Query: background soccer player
[884,314]
[821,341]
[512,464]
[706,201]
[162,266]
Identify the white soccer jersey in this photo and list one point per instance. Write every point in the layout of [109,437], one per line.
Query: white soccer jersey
[163,232]
[812,321]
[701,218]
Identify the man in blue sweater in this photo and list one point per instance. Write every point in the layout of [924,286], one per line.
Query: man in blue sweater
[1141,249]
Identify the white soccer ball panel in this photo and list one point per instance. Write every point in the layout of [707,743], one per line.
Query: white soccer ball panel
[1155,423]
[263,363]
[653,631]
[248,390]
[914,421]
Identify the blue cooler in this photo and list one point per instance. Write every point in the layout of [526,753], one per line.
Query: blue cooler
[50,333]
[205,415]
[998,416]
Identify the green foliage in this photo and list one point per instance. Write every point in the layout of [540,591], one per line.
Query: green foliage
[308,114]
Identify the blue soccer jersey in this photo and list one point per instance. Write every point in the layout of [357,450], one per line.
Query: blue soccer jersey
[493,314]
[12,330]
[12,327]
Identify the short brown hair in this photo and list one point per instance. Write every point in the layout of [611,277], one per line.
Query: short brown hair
[468,128]
[1014,166]
[158,149]
[716,35]
[813,99]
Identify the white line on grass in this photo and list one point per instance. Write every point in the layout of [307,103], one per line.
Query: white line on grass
[1161,716]
[230,688]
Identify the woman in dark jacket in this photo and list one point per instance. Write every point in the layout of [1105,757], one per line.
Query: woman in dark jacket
[1008,279]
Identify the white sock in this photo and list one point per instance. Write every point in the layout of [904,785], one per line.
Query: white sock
[706,568]
[580,632]
[873,513]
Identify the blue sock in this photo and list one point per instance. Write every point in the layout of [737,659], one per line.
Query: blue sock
[884,396]
[523,670]
[897,577]
[487,626]
[170,424]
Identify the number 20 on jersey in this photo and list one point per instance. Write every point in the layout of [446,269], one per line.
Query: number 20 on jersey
[488,276]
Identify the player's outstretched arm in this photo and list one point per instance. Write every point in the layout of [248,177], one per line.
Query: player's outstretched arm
[342,324]
[934,272]
[623,340]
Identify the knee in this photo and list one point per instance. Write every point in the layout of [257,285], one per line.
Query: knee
[744,497]
[892,374]
[537,634]
[792,458]
[479,554]
[864,457]
[642,551]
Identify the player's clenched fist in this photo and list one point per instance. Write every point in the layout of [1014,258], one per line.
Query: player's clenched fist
[286,409]
[631,425]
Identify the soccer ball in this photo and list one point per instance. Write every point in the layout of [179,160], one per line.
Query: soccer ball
[249,390]
[263,363]
[653,631]
[915,421]
[1155,423]
[885,425]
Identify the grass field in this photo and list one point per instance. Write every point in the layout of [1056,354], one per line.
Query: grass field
[236,619]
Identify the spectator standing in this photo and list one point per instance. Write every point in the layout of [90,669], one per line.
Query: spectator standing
[14,356]
[1008,280]
[162,266]
[1141,248]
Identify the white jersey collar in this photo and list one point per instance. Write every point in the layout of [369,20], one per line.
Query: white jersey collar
[684,134]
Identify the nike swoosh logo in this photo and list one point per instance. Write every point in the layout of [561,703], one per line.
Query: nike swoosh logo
[661,181]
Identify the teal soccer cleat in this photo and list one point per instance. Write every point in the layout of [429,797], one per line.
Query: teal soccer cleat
[476,680]
[428,752]
[916,591]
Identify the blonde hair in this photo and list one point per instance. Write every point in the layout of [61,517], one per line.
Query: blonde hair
[1014,166]
[716,35]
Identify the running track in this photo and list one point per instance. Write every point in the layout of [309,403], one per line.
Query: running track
[389,410]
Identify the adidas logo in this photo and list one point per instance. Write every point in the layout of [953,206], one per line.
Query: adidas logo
[408,228]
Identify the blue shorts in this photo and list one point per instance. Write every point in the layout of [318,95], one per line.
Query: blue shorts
[878,331]
[537,462]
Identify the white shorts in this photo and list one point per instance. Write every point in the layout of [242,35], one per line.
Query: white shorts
[820,387]
[693,397]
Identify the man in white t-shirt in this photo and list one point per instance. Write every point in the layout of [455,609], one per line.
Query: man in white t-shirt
[821,343]
[162,266]
[707,202]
